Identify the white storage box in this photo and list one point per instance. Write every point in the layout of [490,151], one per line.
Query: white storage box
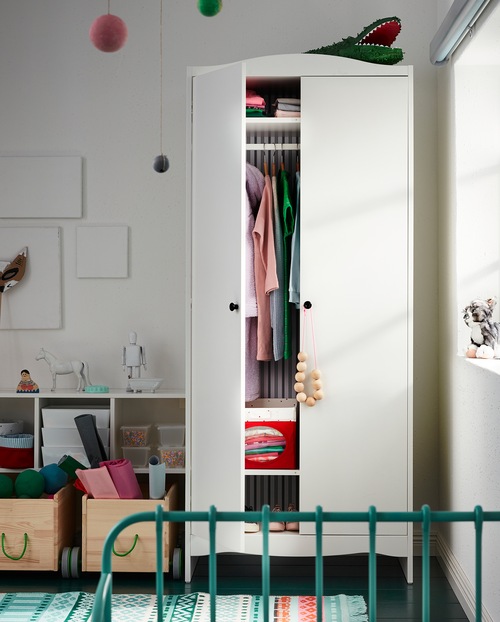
[69,437]
[135,435]
[171,435]
[271,410]
[63,416]
[173,457]
[54,454]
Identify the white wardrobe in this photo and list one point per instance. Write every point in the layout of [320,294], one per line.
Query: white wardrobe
[354,139]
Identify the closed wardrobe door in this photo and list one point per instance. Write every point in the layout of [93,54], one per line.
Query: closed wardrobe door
[216,331]
[355,247]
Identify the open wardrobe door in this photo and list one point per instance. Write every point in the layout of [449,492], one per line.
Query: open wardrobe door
[217,313]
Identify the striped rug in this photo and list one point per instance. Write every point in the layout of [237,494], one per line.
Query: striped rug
[77,607]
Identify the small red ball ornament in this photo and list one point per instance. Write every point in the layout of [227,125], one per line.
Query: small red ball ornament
[108,33]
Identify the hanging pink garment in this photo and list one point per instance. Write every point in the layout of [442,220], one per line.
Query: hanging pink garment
[266,279]
[254,188]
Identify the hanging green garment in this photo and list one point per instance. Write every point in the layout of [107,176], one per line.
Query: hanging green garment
[294,286]
[288,227]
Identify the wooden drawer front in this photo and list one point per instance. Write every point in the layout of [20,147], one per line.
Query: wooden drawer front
[100,515]
[48,524]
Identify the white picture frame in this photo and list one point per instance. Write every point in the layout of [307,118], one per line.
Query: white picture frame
[102,251]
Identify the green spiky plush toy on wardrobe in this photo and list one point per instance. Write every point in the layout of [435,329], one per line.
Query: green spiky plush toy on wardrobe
[372,44]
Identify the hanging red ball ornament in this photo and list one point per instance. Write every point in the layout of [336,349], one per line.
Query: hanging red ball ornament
[108,33]
[209,8]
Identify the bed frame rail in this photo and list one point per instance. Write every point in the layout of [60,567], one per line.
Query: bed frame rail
[102,605]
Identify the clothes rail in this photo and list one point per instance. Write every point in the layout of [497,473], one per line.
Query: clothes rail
[102,612]
[273,146]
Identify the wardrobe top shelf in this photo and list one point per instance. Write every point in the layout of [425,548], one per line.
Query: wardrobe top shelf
[274,123]
[113,394]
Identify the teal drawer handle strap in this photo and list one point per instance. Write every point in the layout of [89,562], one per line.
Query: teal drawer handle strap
[136,539]
[12,556]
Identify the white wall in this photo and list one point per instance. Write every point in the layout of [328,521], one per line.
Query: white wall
[469,97]
[60,95]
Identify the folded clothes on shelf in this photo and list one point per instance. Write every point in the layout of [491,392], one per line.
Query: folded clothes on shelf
[255,104]
[287,107]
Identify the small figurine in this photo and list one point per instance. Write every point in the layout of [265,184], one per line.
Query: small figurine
[133,357]
[58,367]
[27,385]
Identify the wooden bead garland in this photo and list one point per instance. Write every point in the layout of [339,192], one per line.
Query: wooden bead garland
[301,375]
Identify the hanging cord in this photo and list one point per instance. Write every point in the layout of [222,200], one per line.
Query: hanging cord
[161,76]
[302,356]
[304,330]
[161,163]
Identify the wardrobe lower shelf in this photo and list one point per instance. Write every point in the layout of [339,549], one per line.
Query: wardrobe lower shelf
[293,544]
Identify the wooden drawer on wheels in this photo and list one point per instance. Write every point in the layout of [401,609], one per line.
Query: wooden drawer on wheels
[34,532]
[134,549]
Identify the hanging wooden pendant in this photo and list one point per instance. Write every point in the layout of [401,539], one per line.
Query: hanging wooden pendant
[304,384]
[301,377]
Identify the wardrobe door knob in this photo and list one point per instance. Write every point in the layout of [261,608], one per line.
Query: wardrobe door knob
[233,306]
[307,304]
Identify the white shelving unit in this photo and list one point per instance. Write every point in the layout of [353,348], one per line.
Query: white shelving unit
[58,517]
[163,406]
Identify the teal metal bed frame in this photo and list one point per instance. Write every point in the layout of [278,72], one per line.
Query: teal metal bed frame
[102,605]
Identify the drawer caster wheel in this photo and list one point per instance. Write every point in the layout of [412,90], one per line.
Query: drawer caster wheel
[71,562]
[177,563]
